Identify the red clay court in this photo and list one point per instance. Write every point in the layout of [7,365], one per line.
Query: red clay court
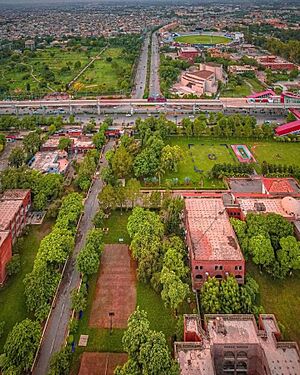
[115,289]
[100,363]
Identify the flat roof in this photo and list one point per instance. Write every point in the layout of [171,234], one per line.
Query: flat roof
[263,205]
[211,233]
[195,358]
[8,210]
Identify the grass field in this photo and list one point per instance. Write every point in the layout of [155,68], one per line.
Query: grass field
[107,76]
[117,224]
[202,39]
[26,75]
[281,298]
[276,152]
[198,156]
[236,91]
[12,299]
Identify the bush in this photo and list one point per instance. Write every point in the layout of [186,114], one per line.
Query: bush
[14,265]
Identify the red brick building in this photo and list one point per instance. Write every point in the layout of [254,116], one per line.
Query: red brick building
[213,247]
[14,206]
[188,53]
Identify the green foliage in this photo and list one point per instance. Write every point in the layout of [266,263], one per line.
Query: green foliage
[269,240]
[64,143]
[78,300]
[171,213]
[14,265]
[44,187]
[61,362]
[17,157]
[41,283]
[228,297]
[98,219]
[88,259]
[20,347]
[220,171]
[87,168]
[147,350]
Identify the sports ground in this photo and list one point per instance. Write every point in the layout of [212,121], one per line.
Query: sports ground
[115,290]
[202,39]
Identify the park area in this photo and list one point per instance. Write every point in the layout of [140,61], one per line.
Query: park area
[109,74]
[201,154]
[202,39]
[43,71]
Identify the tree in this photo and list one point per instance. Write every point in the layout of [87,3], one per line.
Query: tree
[98,219]
[61,362]
[289,253]
[17,157]
[262,250]
[78,300]
[133,187]
[99,140]
[107,199]
[171,213]
[137,333]
[64,143]
[20,347]
[121,163]
[155,357]
[14,265]
[230,296]
[170,157]
[87,261]
[210,296]
[174,290]
[32,143]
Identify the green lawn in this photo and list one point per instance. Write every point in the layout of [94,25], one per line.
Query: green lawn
[117,224]
[197,156]
[202,39]
[106,77]
[281,298]
[254,82]
[28,70]
[12,299]
[276,152]
[236,91]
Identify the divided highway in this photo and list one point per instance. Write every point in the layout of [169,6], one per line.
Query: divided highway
[154,86]
[141,71]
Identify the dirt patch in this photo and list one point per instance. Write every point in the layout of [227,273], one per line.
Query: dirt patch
[115,289]
[101,363]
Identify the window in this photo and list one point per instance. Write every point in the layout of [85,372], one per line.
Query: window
[229,354]
[228,365]
[242,354]
[199,277]
[238,276]
[219,277]
[201,267]
[241,365]
[236,267]
[221,267]
[240,268]
[216,267]
[196,267]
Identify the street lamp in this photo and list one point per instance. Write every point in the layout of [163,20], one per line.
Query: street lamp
[111,315]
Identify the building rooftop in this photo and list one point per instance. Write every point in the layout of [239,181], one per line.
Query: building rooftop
[205,74]
[15,194]
[189,49]
[281,185]
[50,162]
[211,233]
[266,205]
[236,331]
[9,210]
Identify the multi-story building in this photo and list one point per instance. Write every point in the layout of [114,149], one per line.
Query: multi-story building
[14,207]
[233,344]
[213,247]
[188,53]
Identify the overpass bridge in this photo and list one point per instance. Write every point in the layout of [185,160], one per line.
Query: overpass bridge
[131,104]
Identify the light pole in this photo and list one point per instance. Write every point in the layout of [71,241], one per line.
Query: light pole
[111,315]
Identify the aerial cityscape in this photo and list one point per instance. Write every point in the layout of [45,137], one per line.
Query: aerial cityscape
[149,187]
